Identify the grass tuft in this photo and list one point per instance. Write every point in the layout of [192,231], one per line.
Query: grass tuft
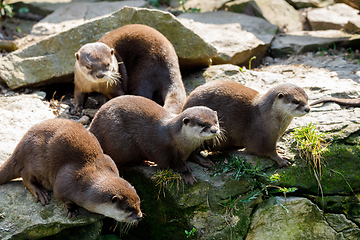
[311,146]
[166,177]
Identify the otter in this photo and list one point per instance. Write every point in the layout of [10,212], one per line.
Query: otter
[148,67]
[96,70]
[60,155]
[251,120]
[355,102]
[133,129]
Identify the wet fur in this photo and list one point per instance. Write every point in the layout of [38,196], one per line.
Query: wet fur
[62,156]
[132,129]
[249,119]
[151,67]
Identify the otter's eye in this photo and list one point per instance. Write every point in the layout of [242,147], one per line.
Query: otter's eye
[202,125]
[88,67]
[295,101]
[107,66]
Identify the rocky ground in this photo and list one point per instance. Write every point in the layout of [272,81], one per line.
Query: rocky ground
[329,69]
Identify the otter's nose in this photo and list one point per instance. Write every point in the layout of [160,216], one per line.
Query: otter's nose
[100,75]
[214,131]
[307,109]
[139,216]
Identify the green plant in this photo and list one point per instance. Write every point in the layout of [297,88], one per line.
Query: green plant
[190,233]
[254,57]
[241,168]
[311,146]
[166,177]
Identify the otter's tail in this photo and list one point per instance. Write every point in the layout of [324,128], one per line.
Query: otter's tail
[10,170]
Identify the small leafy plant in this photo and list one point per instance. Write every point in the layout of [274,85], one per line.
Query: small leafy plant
[166,177]
[190,233]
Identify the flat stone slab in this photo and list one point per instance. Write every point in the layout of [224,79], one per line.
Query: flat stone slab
[237,37]
[308,41]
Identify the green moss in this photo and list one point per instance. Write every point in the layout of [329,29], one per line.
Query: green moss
[340,170]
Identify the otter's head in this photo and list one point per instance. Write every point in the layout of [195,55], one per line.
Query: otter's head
[116,199]
[97,61]
[291,100]
[200,123]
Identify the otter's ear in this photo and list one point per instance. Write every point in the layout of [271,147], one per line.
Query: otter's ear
[114,199]
[186,120]
[112,51]
[280,95]
[77,56]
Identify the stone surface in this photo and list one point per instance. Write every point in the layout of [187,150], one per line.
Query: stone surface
[332,17]
[297,4]
[277,12]
[204,5]
[26,66]
[77,13]
[237,37]
[18,114]
[22,218]
[297,218]
[309,41]
[352,3]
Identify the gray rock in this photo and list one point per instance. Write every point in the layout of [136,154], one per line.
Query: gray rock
[18,114]
[340,223]
[352,3]
[237,37]
[310,3]
[204,5]
[26,66]
[278,12]
[307,41]
[22,218]
[297,218]
[77,13]
[335,17]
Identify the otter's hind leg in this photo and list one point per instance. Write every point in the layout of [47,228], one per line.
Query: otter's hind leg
[40,192]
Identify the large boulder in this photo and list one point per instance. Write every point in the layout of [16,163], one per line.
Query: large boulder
[77,13]
[52,59]
[338,16]
[237,37]
[277,12]
[22,218]
[297,218]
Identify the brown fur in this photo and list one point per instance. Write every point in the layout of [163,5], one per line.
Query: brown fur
[249,119]
[132,129]
[355,102]
[62,156]
[148,65]
[96,70]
